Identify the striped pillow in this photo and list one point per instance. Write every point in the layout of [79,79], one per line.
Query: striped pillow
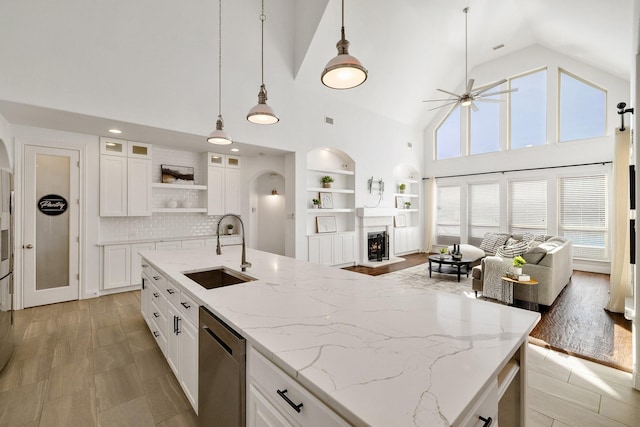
[492,241]
[527,237]
[513,250]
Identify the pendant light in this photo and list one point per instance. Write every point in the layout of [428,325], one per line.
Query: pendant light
[261,113]
[344,71]
[219,136]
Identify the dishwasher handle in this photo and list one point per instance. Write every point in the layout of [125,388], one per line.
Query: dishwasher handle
[213,328]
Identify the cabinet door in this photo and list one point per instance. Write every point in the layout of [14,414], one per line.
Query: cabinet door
[215,195]
[261,413]
[176,244]
[116,264]
[190,244]
[399,240]
[139,150]
[188,359]
[232,191]
[113,186]
[321,249]
[136,260]
[343,248]
[113,147]
[173,344]
[139,187]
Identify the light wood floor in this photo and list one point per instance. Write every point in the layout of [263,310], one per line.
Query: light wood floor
[94,363]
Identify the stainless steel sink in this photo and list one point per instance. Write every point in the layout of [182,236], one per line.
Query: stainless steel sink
[218,277]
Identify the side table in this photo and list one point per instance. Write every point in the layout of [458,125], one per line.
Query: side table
[531,285]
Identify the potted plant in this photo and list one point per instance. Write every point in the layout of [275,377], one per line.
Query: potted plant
[518,262]
[316,203]
[402,187]
[443,252]
[326,181]
[407,205]
[229,228]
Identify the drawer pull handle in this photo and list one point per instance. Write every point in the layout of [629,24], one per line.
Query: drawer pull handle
[156,277]
[171,291]
[487,421]
[156,334]
[145,266]
[156,315]
[185,305]
[155,294]
[286,399]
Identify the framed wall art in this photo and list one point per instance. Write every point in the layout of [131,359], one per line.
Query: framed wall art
[177,174]
[326,224]
[326,201]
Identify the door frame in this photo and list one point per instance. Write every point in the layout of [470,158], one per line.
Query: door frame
[48,139]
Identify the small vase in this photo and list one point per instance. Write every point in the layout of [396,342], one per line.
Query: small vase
[315,206]
[517,270]
[402,191]
[229,231]
[326,185]
[171,203]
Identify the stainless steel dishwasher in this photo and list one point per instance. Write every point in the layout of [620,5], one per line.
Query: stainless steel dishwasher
[221,374]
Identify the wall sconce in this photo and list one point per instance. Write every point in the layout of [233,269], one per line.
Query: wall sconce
[274,192]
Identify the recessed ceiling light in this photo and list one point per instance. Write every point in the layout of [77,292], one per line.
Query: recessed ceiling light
[118,131]
[235,150]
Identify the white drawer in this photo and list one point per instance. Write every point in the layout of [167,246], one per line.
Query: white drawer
[273,382]
[188,307]
[171,291]
[159,336]
[484,408]
[158,298]
[159,318]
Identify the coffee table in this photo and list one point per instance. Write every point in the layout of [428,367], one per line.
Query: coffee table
[448,265]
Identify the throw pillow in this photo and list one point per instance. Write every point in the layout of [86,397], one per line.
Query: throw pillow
[513,250]
[511,241]
[492,242]
[527,237]
[535,254]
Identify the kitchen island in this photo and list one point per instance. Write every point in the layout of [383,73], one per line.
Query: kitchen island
[374,351]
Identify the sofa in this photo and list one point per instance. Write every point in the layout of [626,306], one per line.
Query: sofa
[549,262]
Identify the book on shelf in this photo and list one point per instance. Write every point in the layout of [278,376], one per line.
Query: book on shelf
[519,277]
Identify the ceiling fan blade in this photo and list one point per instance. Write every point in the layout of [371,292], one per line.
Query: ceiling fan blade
[444,105]
[489,86]
[497,93]
[470,85]
[435,100]
[473,106]
[448,93]
[496,101]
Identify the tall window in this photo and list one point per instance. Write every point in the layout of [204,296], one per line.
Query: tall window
[583,215]
[528,207]
[582,108]
[485,126]
[448,215]
[529,110]
[484,210]
[448,136]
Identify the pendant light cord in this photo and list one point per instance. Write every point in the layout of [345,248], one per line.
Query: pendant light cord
[466,54]
[263,18]
[220,58]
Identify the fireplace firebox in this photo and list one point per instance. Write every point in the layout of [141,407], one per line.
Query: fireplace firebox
[378,246]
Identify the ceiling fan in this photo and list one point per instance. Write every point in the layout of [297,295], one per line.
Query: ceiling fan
[470,95]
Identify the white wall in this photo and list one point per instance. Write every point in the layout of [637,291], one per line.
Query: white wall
[270,213]
[6,145]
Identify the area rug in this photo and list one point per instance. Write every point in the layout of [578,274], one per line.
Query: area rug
[576,324]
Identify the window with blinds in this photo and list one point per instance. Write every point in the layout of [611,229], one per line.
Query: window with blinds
[484,210]
[448,215]
[528,207]
[583,215]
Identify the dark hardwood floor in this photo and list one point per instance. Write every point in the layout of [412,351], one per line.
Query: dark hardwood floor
[575,324]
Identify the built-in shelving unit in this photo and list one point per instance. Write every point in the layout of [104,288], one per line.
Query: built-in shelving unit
[178,186]
[331,226]
[407,221]
[192,195]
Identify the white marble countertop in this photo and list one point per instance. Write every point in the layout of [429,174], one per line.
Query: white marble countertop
[377,352]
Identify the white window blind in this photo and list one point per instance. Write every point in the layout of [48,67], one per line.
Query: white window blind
[484,210]
[448,215]
[583,215]
[528,207]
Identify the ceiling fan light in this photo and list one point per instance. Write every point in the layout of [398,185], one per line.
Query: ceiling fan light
[219,136]
[466,102]
[261,113]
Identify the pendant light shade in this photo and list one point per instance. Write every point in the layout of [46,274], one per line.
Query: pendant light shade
[219,136]
[261,113]
[344,71]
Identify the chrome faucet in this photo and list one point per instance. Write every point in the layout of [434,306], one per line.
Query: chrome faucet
[243,263]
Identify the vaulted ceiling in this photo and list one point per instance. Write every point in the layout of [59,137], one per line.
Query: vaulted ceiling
[410,47]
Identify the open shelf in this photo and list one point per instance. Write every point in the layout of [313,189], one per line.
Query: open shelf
[330,171]
[331,190]
[183,210]
[178,186]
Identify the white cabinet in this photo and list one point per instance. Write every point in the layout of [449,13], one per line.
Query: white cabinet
[173,322]
[175,244]
[191,244]
[125,178]
[136,269]
[116,266]
[276,399]
[223,182]
[406,240]
[332,249]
